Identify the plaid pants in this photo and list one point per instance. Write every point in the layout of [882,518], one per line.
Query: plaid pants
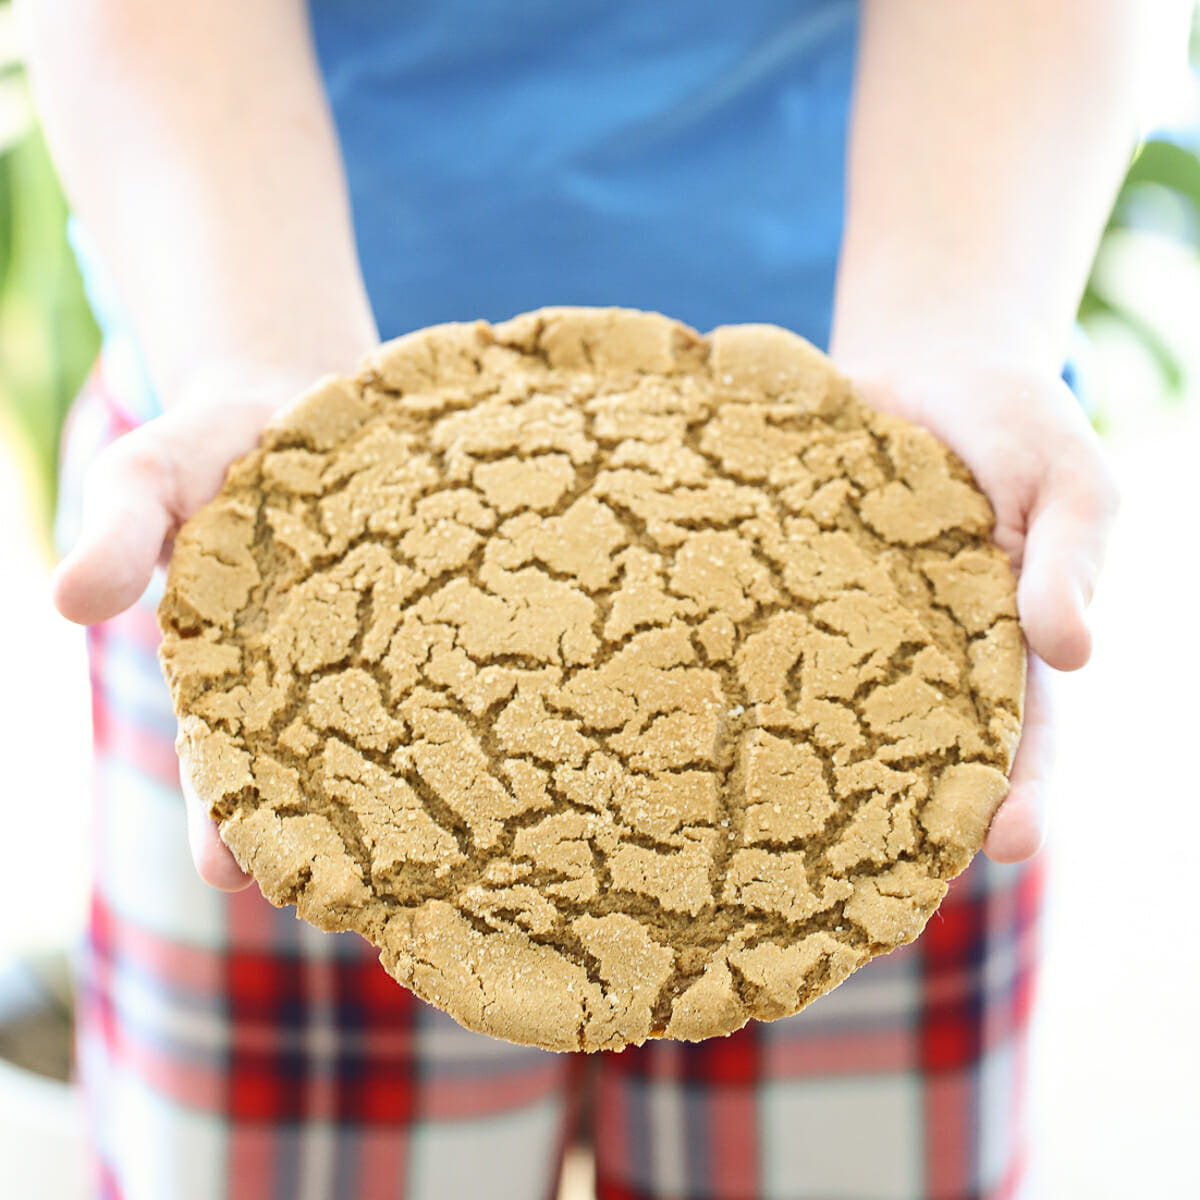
[230,1052]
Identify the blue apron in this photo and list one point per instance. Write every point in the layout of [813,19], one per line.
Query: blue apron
[503,156]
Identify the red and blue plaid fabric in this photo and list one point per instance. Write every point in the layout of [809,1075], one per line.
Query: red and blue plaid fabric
[230,1052]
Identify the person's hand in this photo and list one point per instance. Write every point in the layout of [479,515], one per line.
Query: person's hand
[136,495]
[1025,439]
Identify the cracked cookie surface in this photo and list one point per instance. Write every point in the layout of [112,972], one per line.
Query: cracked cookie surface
[615,682]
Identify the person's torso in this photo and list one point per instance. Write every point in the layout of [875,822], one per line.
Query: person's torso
[684,158]
[503,156]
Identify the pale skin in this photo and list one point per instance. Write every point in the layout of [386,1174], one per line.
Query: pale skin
[987,143]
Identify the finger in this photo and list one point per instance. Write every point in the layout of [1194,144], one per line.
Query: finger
[1019,826]
[1064,551]
[214,860]
[126,516]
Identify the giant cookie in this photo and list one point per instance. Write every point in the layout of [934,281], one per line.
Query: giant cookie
[616,682]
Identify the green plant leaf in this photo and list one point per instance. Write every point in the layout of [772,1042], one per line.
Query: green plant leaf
[1169,166]
[47,336]
[16,110]
[1169,364]
[5,219]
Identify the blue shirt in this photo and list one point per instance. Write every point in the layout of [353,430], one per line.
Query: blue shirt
[502,156]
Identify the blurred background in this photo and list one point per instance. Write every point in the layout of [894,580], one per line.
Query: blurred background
[1117,1049]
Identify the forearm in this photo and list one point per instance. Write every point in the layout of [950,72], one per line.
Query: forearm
[196,145]
[987,143]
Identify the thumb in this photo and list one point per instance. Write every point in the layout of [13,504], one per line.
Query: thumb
[138,491]
[128,499]
[1069,529]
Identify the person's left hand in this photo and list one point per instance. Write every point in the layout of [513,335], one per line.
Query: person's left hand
[137,493]
[1028,444]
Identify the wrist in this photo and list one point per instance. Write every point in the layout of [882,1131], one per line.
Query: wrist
[266,352]
[256,382]
[926,338]
[910,305]
[930,350]
[939,391]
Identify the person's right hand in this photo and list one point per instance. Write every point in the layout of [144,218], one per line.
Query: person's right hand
[136,494]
